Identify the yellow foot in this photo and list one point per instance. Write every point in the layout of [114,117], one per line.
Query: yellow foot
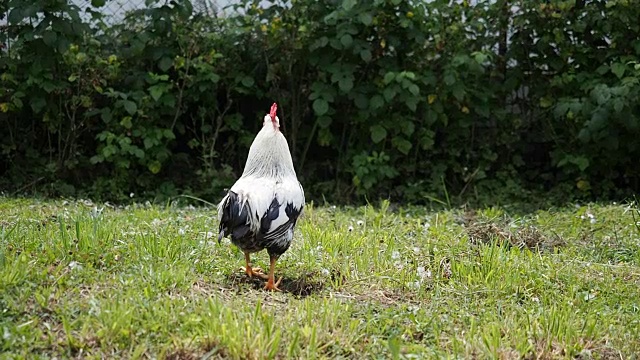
[271,286]
[257,272]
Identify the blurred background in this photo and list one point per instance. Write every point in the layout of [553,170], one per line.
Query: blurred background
[426,102]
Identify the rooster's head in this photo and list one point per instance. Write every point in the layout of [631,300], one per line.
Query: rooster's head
[271,119]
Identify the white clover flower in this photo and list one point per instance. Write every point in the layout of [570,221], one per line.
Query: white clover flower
[423,273]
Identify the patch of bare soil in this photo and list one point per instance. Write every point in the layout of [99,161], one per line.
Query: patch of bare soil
[500,233]
[304,285]
[592,350]
[209,350]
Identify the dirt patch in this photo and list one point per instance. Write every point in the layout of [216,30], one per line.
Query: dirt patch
[304,285]
[209,350]
[599,350]
[502,234]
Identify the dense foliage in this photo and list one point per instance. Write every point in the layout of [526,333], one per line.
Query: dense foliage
[405,99]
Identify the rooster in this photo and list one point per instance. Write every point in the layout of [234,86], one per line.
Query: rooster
[261,209]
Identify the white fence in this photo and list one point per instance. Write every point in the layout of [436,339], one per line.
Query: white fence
[116,10]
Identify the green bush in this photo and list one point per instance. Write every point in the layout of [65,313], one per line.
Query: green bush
[405,99]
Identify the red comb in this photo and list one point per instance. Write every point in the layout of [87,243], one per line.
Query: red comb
[274,109]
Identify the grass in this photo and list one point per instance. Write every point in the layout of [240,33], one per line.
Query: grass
[80,280]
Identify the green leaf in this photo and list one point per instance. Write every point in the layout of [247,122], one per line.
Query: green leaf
[324,137]
[168,100]
[48,86]
[130,106]
[365,54]
[15,16]
[409,75]
[598,120]
[324,121]
[95,159]
[346,84]
[106,115]
[72,77]
[320,106]
[366,18]
[584,135]
[148,143]
[126,122]
[449,79]
[361,101]
[582,162]
[97,3]
[412,103]
[49,37]
[618,69]
[480,57]
[618,105]
[37,104]
[139,153]
[248,81]
[389,93]
[63,44]
[389,77]
[427,141]
[407,127]
[154,166]
[156,91]
[545,102]
[414,89]
[458,91]
[403,145]
[378,133]
[376,102]
[346,40]
[168,134]
[319,43]
[602,69]
[601,94]
[17,102]
[349,4]
[165,63]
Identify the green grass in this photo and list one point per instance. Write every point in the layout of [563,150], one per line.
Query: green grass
[152,282]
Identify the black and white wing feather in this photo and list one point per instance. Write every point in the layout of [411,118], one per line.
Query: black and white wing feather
[260,213]
[279,221]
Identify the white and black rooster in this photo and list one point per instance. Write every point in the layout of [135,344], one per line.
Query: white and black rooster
[261,209]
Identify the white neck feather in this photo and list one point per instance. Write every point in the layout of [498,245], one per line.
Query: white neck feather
[269,155]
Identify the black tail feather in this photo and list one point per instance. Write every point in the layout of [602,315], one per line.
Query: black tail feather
[235,218]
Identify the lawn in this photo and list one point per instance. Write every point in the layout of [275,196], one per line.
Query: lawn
[84,280]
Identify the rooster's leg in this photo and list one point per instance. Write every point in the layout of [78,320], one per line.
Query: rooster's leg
[251,271]
[270,282]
